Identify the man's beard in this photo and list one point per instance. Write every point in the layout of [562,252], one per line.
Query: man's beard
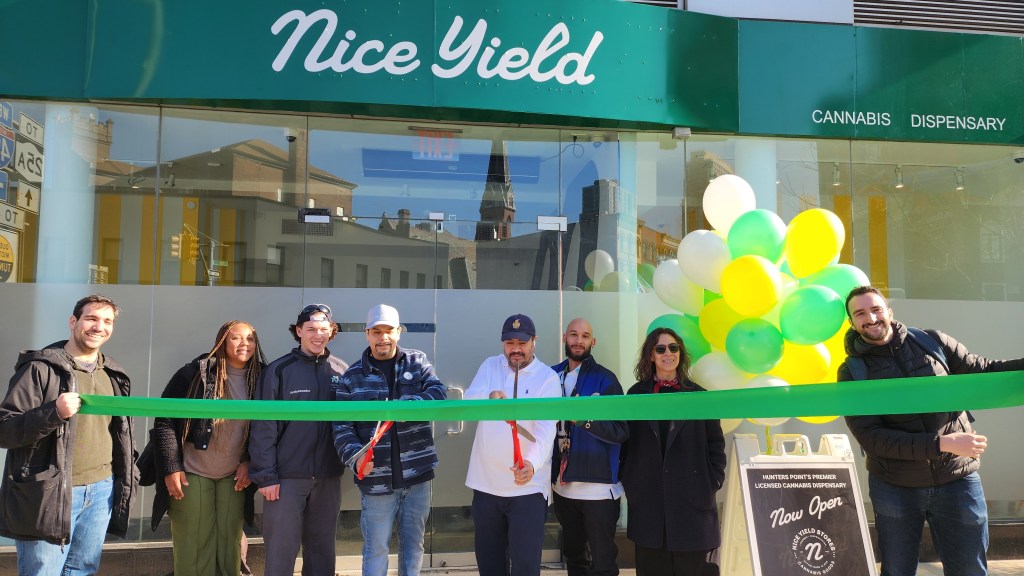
[577,357]
[523,360]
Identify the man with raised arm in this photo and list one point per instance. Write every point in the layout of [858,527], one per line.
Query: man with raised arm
[920,466]
[510,489]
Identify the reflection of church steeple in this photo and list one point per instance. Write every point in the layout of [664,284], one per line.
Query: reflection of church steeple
[498,206]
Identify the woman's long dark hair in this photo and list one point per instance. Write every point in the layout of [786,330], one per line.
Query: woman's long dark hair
[218,358]
[219,354]
[645,370]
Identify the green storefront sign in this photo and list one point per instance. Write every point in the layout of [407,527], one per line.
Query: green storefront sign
[880,84]
[602,60]
[575,62]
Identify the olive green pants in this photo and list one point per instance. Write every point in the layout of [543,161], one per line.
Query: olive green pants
[206,527]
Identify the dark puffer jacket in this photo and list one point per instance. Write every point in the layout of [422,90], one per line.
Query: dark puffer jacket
[903,449]
[35,498]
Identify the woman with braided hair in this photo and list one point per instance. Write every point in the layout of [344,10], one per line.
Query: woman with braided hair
[204,463]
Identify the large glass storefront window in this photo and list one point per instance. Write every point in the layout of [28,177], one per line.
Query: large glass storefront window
[941,221]
[194,217]
[231,187]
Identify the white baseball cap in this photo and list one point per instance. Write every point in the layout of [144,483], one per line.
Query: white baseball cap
[382,314]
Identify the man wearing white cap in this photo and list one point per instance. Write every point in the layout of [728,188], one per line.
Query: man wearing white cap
[510,466]
[393,462]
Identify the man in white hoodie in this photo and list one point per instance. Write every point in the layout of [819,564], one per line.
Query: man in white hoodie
[510,501]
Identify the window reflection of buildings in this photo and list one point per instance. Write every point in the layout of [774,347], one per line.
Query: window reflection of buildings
[655,246]
[606,222]
[703,167]
[228,195]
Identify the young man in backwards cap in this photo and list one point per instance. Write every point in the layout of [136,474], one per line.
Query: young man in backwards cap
[294,463]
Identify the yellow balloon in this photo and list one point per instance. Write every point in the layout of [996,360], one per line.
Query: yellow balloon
[813,241]
[817,419]
[802,364]
[730,424]
[836,355]
[789,285]
[836,346]
[751,285]
[716,319]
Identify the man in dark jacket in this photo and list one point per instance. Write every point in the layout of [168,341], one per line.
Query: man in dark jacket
[920,466]
[294,463]
[585,465]
[70,478]
[394,476]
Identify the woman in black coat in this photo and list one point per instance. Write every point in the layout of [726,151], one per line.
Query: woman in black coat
[671,470]
[202,464]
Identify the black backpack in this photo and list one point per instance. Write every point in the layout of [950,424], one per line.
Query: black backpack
[859,369]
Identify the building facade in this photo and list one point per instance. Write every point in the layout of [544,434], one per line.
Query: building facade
[168,151]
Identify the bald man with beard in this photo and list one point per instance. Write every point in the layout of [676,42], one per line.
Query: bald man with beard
[585,465]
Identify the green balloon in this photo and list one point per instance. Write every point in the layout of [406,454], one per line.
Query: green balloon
[810,315]
[709,296]
[758,232]
[645,273]
[839,277]
[754,345]
[589,286]
[687,329]
[616,281]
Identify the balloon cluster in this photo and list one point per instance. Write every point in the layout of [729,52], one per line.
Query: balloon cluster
[761,303]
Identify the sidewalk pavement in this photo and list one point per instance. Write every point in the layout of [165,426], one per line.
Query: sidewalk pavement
[995,567]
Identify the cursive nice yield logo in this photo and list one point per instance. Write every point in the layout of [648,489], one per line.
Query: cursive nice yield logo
[473,53]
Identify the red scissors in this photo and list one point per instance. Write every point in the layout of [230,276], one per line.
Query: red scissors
[517,452]
[378,433]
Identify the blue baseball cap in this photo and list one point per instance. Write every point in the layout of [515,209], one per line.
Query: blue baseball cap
[518,327]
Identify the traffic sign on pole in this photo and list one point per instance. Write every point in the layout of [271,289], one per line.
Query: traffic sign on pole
[6,134]
[28,197]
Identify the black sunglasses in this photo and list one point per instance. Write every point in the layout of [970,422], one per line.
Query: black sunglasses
[661,348]
[316,308]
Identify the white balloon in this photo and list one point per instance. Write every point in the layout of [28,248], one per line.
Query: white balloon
[769,421]
[676,290]
[765,380]
[725,199]
[598,264]
[615,281]
[715,371]
[730,424]
[703,255]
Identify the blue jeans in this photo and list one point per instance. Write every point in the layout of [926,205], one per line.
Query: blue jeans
[957,517]
[411,505]
[90,516]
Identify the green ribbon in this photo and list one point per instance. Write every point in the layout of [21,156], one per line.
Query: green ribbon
[899,396]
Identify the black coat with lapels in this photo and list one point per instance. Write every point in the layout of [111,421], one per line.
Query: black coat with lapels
[671,496]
